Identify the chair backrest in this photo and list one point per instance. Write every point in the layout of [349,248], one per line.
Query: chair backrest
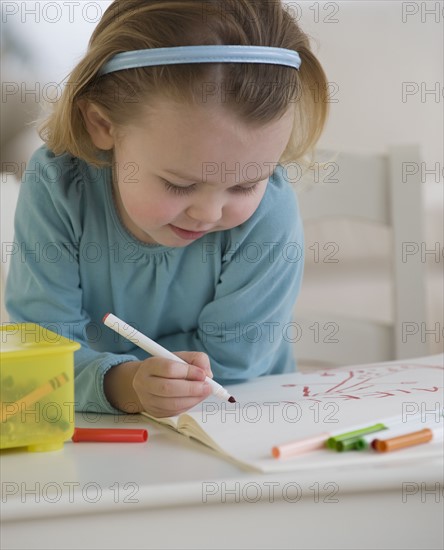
[383,189]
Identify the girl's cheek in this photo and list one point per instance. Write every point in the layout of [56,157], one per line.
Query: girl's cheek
[152,209]
[236,215]
[242,209]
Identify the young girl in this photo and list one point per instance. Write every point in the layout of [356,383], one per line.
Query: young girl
[162,195]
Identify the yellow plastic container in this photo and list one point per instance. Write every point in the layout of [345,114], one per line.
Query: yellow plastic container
[37,387]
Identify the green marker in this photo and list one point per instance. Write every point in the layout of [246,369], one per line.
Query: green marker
[333,441]
[351,444]
[359,437]
[361,444]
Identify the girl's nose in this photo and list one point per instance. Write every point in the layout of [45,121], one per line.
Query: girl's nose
[206,211]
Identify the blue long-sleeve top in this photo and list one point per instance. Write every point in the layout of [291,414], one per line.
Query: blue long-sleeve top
[229,294]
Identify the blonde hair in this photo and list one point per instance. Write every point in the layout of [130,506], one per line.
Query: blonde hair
[257,94]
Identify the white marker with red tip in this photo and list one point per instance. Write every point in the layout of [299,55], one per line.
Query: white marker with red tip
[157,350]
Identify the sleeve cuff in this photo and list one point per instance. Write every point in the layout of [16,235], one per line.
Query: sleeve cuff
[89,393]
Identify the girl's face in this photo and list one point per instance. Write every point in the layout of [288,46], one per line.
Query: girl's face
[185,171]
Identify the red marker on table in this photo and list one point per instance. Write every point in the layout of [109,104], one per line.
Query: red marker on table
[109,435]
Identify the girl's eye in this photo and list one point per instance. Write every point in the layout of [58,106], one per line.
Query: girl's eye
[177,189]
[246,190]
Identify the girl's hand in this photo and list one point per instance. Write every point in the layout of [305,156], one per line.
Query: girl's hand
[160,387]
[167,388]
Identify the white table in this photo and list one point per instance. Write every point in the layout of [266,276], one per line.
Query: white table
[174,493]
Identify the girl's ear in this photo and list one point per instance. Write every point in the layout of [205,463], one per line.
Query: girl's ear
[99,127]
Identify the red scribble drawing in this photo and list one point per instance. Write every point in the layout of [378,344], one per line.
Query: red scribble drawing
[345,396]
[382,394]
[365,382]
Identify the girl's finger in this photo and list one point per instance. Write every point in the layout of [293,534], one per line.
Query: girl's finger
[173,388]
[197,358]
[165,368]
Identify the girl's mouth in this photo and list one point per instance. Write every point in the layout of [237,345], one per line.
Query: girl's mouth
[187,235]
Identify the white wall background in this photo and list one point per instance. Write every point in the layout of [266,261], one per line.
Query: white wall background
[373,49]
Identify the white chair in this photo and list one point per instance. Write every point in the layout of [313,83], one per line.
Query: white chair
[374,189]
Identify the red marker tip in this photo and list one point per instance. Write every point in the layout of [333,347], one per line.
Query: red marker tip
[104,317]
[232,400]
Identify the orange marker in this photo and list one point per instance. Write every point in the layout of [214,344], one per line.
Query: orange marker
[11,409]
[408,440]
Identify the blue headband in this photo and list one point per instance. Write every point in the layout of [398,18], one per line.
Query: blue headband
[201,54]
